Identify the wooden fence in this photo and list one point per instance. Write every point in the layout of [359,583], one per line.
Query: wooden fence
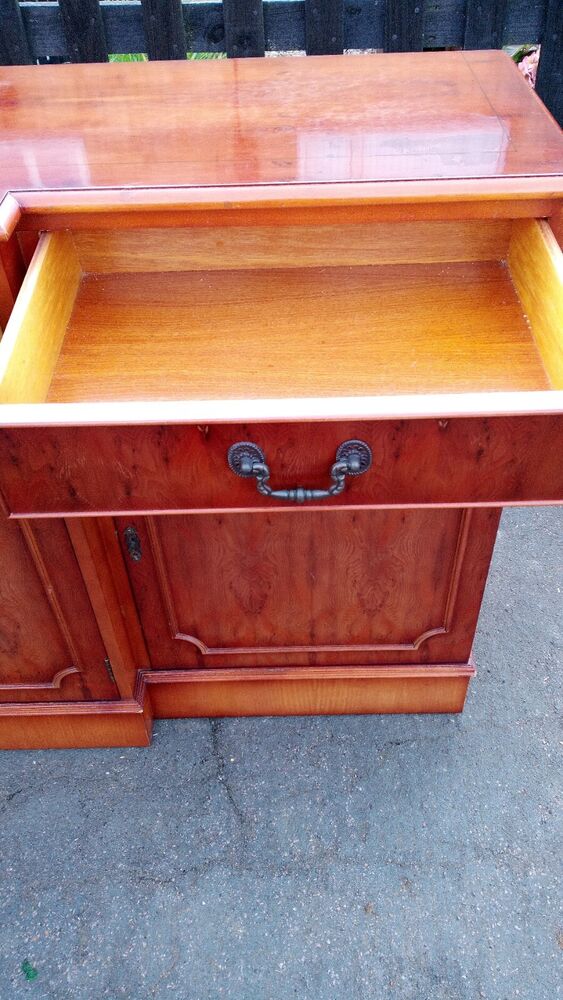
[88,30]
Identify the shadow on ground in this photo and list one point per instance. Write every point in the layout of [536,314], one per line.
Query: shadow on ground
[412,858]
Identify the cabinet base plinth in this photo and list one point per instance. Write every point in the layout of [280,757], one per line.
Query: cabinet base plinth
[175,694]
[308,691]
[74,725]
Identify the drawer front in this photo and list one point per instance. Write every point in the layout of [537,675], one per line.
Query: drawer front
[462,461]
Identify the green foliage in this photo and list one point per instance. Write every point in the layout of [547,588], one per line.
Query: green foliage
[129,57]
[142,56]
[522,52]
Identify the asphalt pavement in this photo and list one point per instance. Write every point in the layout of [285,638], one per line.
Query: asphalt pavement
[393,858]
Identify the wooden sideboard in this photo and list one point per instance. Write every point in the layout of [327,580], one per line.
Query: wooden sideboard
[281,339]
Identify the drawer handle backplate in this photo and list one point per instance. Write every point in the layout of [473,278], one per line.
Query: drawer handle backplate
[248,460]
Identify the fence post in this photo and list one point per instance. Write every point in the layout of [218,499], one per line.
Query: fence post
[14,47]
[484,24]
[244,27]
[84,30]
[549,83]
[324,27]
[163,22]
[403,26]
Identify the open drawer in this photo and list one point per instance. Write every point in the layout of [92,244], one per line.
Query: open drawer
[133,359]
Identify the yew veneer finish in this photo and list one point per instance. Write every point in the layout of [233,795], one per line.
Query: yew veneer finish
[291,133]
[293,252]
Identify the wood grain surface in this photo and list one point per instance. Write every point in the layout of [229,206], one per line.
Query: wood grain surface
[50,645]
[342,229]
[36,329]
[12,273]
[101,565]
[279,206]
[58,727]
[536,266]
[408,124]
[377,330]
[463,461]
[323,691]
[233,247]
[373,330]
[305,587]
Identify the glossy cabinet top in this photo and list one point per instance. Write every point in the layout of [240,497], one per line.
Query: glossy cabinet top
[318,120]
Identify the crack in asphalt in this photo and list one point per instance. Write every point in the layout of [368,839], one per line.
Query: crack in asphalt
[222,776]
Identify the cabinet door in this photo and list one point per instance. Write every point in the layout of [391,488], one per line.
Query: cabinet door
[50,646]
[308,587]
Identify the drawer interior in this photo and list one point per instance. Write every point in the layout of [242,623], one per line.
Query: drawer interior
[358,310]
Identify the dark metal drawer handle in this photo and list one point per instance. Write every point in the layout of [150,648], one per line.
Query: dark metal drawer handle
[248,460]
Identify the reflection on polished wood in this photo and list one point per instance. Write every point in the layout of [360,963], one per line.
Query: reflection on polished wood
[295,253]
[426,119]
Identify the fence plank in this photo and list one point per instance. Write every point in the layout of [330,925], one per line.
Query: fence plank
[443,23]
[549,83]
[524,21]
[284,25]
[14,48]
[484,24]
[364,25]
[84,30]
[324,27]
[244,28]
[125,30]
[164,29]
[403,25]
